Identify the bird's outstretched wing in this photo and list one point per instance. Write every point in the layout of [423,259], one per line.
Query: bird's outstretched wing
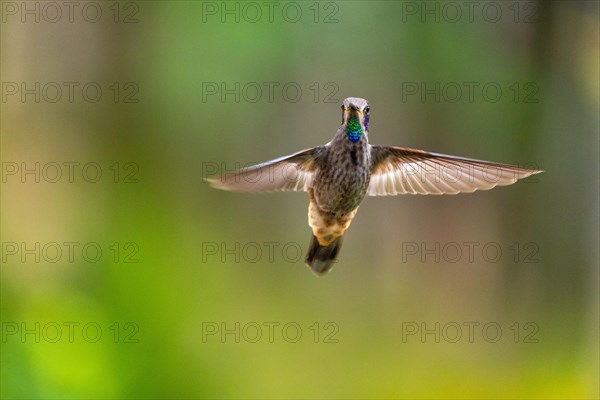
[397,170]
[294,172]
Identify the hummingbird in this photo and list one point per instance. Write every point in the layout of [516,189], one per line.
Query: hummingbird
[338,175]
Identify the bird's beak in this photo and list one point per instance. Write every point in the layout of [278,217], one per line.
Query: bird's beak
[354,112]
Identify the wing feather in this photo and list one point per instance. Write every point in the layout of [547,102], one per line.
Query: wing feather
[398,170]
[294,172]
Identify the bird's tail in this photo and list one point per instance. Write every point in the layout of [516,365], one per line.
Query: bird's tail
[321,258]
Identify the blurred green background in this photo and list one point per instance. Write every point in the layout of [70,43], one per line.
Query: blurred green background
[189,300]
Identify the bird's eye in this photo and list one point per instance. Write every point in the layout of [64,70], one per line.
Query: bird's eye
[367,109]
[343,107]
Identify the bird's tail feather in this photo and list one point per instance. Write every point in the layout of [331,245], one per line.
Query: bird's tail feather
[321,258]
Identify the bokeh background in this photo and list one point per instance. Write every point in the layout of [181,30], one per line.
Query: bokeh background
[186,281]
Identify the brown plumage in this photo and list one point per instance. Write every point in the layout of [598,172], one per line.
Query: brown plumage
[339,174]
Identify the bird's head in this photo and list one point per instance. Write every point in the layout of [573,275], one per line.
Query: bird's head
[355,118]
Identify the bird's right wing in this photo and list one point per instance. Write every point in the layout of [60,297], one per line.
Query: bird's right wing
[294,172]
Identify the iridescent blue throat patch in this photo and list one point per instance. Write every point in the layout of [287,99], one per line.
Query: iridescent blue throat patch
[353,130]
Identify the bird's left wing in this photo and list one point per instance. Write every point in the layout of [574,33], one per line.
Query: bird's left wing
[397,170]
[293,172]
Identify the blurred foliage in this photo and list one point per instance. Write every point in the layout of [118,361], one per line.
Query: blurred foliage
[176,131]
